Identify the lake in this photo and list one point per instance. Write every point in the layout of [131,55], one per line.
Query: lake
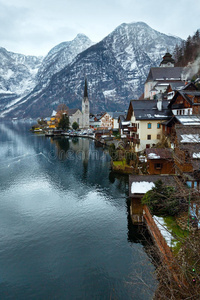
[65,230]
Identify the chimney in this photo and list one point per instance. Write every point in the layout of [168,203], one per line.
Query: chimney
[159,103]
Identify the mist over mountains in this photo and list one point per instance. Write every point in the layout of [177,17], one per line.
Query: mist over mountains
[116,69]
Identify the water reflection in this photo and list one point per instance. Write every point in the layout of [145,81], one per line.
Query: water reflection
[64,221]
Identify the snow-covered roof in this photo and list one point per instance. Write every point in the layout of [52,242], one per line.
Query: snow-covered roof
[148,110]
[189,120]
[141,187]
[159,153]
[196,155]
[190,138]
[153,156]
[157,73]
[126,123]
[140,184]
[54,113]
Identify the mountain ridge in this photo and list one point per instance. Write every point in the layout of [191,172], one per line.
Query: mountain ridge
[116,69]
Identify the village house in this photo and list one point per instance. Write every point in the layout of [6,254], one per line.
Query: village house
[185,107]
[103,134]
[54,120]
[173,87]
[169,125]
[160,161]
[110,120]
[95,121]
[145,118]
[138,186]
[187,152]
[185,102]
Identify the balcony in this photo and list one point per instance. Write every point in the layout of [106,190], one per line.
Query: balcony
[132,128]
[133,140]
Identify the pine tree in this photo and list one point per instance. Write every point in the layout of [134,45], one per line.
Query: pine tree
[64,122]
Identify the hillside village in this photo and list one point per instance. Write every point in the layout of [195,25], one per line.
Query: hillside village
[156,138]
[155,121]
[166,116]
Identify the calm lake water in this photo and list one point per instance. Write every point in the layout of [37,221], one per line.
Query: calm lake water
[65,231]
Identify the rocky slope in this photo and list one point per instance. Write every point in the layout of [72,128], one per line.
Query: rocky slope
[17,75]
[61,56]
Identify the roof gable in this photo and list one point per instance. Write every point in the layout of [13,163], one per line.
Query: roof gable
[188,96]
[169,73]
[158,153]
[72,111]
[147,110]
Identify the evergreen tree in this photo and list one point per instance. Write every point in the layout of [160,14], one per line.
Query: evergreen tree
[75,126]
[64,122]
[187,51]
[162,200]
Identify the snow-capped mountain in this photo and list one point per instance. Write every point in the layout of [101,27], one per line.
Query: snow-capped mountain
[62,55]
[19,74]
[116,70]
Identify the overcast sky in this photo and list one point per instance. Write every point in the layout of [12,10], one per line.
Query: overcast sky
[33,27]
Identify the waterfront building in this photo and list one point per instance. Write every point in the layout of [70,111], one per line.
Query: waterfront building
[143,122]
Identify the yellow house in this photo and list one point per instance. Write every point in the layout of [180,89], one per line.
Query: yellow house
[54,120]
[145,118]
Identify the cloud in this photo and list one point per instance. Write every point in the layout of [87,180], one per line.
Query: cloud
[34,27]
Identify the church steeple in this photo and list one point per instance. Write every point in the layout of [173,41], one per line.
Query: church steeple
[85,89]
[167,61]
[85,107]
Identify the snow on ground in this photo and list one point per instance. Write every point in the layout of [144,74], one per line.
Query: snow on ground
[163,230]
[6,92]
[109,93]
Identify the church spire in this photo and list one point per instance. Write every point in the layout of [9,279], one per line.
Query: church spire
[85,89]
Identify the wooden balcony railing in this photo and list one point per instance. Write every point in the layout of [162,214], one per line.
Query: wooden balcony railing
[132,128]
[133,140]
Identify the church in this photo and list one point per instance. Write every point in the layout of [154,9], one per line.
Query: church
[160,77]
[81,117]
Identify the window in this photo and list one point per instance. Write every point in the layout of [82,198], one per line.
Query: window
[189,183]
[158,125]
[158,166]
[187,156]
[149,125]
[147,145]
[158,136]
[149,137]
[138,125]
[195,185]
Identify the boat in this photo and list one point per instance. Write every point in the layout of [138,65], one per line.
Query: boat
[49,133]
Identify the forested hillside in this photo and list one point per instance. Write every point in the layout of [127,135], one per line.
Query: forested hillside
[188,51]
